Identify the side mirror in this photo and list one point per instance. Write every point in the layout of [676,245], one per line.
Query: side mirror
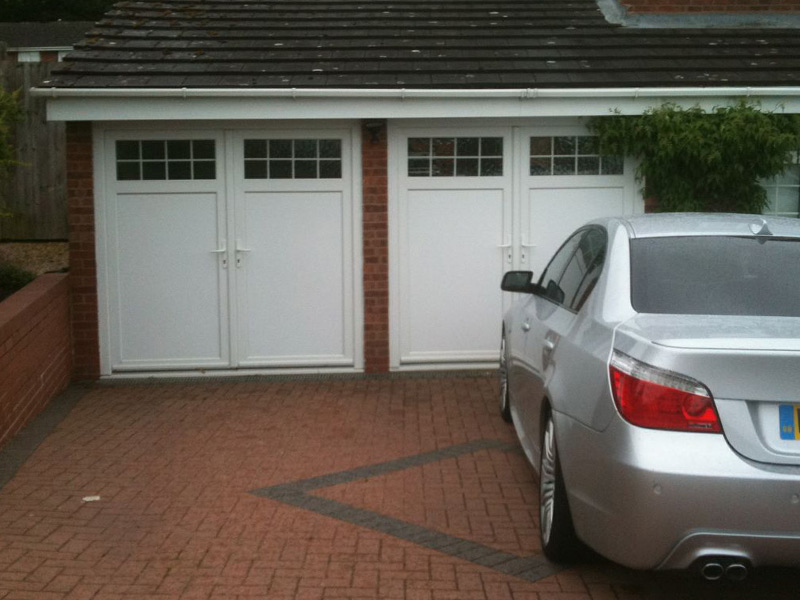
[518,281]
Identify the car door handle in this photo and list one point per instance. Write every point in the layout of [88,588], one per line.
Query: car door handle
[549,344]
[526,326]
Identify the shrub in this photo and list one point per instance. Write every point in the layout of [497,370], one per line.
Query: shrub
[12,278]
[693,160]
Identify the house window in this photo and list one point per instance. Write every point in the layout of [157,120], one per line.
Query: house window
[139,160]
[455,157]
[783,192]
[292,159]
[571,155]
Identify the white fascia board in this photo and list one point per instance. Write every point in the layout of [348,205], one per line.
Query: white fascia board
[241,104]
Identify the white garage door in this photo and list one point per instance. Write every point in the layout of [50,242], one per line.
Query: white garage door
[468,204]
[229,250]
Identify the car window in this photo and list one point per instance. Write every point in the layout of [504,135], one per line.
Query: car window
[583,269]
[716,275]
[551,277]
[593,246]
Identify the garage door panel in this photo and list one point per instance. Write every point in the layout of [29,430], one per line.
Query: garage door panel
[293,303]
[168,305]
[451,295]
[555,212]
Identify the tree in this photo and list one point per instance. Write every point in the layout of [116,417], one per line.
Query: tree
[693,160]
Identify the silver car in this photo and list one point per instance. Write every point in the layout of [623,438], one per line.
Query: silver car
[653,378]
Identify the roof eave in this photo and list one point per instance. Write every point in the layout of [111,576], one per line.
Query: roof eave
[141,104]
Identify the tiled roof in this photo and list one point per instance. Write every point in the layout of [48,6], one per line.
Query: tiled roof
[412,44]
[61,34]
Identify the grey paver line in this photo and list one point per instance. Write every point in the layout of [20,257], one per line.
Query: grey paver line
[22,446]
[529,568]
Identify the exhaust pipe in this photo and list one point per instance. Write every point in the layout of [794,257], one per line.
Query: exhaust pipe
[712,571]
[736,572]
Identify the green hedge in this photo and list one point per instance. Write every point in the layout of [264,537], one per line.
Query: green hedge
[13,278]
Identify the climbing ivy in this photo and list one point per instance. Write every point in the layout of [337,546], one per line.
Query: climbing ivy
[693,160]
[10,113]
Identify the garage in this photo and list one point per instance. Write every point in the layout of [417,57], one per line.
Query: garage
[468,204]
[228,249]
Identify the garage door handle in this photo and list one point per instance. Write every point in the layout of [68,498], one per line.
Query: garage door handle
[526,246]
[506,246]
[239,251]
[222,251]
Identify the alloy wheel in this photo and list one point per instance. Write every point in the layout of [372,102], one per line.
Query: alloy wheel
[547,482]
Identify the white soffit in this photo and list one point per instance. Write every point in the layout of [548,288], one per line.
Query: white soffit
[234,104]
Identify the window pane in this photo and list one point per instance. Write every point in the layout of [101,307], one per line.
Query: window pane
[280,169]
[128,171]
[205,169]
[255,169]
[541,165]
[178,149]
[203,149]
[419,167]
[564,145]
[280,148]
[255,148]
[588,165]
[492,146]
[154,170]
[153,149]
[467,167]
[330,169]
[305,148]
[442,167]
[330,148]
[563,165]
[305,169]
[468,147]
[491,167]
[612,165]
[419,146]
[179,169]
[787,199]
[541,146]
[588,145]
[444,146]
[127,150]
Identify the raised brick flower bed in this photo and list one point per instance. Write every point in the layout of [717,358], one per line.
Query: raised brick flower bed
[35,350]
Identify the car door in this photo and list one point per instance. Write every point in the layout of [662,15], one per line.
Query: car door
[565,286]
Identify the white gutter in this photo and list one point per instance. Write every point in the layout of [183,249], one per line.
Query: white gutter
[523,93]
[226,104]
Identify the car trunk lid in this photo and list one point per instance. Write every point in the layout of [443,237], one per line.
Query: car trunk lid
[751,365]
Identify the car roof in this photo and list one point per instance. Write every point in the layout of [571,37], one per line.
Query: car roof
[681,224]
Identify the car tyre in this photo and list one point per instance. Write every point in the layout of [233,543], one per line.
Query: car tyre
[505,401]
[559,542]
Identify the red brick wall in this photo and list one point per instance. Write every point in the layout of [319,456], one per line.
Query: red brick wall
[83,267]
[35,350]
[711,6]
[376,247]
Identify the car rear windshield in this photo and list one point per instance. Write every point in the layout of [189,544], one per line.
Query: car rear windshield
[715,275]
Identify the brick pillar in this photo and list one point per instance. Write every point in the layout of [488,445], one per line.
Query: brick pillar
[376,246]
[83,266]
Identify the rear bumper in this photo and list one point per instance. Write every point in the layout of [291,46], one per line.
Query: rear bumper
[660,500]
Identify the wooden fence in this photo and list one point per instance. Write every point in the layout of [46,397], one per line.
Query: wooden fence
[36,193]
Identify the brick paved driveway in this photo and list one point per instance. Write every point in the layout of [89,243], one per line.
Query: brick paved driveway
[407,487]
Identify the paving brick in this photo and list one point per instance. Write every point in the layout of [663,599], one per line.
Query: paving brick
[182,469]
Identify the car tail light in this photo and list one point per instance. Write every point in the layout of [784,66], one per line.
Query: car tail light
[659,399]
